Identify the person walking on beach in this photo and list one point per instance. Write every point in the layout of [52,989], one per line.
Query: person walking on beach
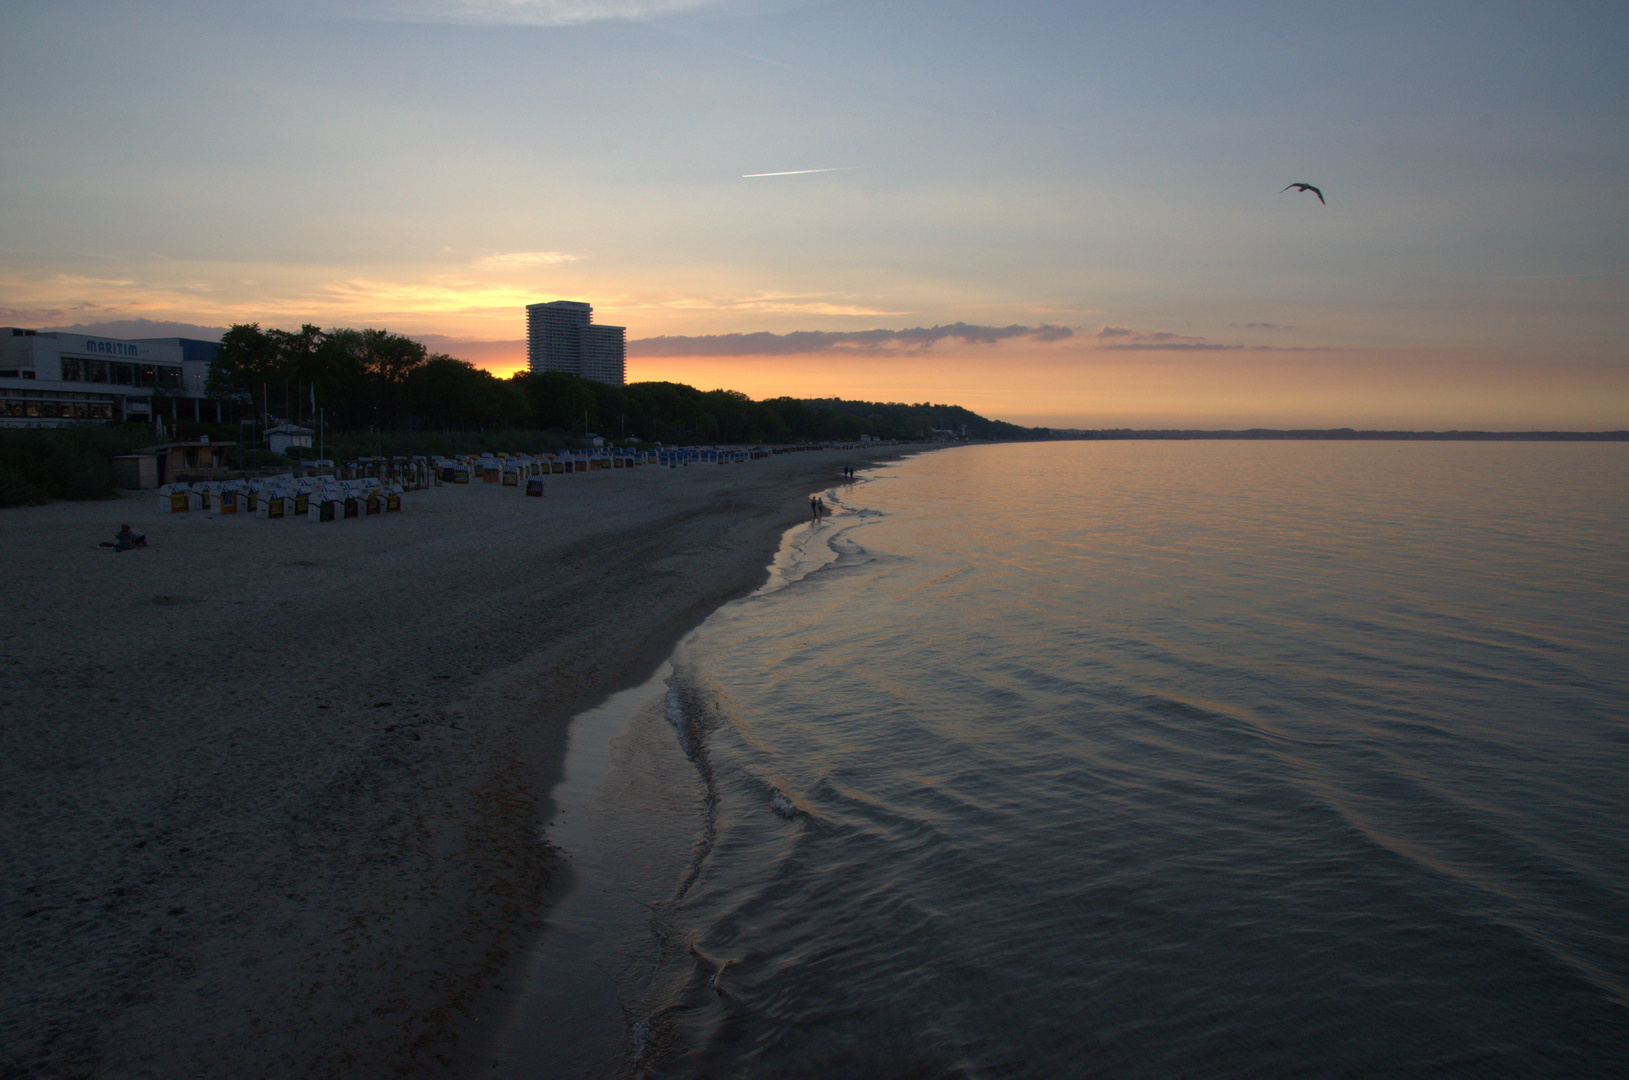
[814,508]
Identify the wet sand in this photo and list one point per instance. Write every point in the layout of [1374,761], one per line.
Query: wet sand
[272,790]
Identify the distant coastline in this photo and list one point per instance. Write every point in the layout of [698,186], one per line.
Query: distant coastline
[1348,434]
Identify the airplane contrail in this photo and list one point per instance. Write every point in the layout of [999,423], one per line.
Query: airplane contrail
[795,172]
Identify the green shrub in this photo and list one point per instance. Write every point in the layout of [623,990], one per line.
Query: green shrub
[40,465]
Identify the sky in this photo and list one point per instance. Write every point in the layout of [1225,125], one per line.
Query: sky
[1067,214]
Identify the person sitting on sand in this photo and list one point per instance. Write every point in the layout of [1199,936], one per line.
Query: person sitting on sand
[127,538]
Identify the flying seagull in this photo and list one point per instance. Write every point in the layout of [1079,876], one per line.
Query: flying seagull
[1306,187]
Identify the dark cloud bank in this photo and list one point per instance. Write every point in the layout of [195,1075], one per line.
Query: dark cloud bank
[814,341]
[1123,339]
[135,329]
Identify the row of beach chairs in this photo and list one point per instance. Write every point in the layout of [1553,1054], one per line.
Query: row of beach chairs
[412,473]
[315,498]
[517,470]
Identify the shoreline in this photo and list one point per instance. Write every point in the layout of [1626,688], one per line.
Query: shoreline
[625,764]
[274,790]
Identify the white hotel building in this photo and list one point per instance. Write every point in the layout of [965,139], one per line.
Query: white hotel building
[55,378]
[562,336]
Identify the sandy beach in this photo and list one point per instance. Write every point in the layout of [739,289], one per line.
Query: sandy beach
[272,790]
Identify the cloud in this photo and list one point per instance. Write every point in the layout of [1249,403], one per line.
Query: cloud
[143,328]
[524,12]
[1110,338]
[1168,346]
[776,303]
[854,341]
[1121,339]
[30,318]
[34,318]
[510,259]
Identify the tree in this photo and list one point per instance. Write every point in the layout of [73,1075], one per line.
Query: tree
[373,377]
[368,369]
[358,375]
[246,358]
[448,394]
[560,401]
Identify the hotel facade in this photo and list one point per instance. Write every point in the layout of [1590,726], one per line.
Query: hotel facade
[562,336]
[54,378]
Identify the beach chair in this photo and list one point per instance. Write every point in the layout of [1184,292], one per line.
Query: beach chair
[175,498]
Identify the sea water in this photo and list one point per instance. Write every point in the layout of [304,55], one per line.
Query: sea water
[1133,759]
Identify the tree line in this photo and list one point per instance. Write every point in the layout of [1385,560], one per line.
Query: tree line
[372,378]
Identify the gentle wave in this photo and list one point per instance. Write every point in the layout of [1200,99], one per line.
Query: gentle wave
[1126,761]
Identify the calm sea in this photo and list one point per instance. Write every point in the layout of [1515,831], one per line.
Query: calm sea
[1126,759]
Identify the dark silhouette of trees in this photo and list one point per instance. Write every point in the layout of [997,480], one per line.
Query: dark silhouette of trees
[358,376]
[444,394]
[367,378]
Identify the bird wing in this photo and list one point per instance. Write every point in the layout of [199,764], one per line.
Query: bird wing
[1304,187]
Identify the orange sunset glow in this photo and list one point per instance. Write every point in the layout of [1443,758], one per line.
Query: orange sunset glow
[767,172]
